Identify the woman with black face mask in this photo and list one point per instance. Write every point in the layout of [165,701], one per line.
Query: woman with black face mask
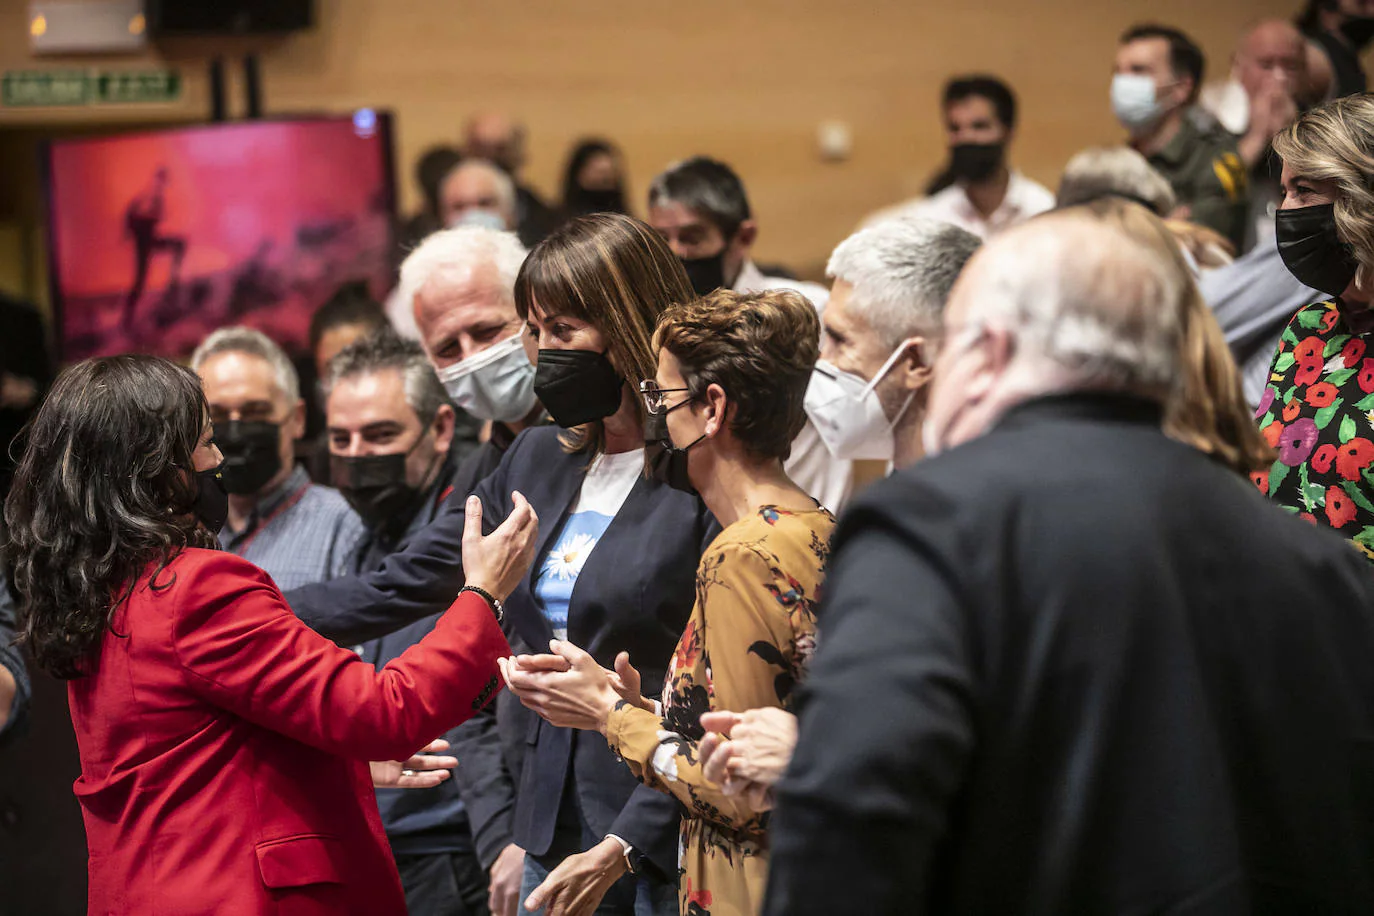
[614,570]
[594,181]
[1318,408]
[223,743]
[726,403]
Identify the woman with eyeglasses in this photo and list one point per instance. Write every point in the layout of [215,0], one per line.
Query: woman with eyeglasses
[724,405]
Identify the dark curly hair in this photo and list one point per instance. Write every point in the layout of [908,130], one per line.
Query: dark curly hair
[106,488]
[760,348]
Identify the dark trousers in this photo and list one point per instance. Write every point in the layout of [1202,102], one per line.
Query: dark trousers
[444,884]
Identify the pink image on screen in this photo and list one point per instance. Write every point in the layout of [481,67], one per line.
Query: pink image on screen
[159,238]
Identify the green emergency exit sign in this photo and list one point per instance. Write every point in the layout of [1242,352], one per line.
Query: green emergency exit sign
[57,88]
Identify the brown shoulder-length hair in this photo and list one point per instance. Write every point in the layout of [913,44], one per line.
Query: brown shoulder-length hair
[618,275]
[1208,409]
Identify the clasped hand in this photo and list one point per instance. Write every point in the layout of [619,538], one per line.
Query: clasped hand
[569,689]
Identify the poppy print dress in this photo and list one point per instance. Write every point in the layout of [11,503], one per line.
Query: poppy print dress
[1318,412]
[747,644]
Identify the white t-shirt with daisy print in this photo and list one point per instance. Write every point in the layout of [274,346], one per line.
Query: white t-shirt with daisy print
[604,490]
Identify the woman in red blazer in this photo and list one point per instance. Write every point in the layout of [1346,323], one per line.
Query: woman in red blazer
[223,743]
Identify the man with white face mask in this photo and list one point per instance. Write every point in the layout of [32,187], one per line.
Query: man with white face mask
[867,395]
[1158,76]
[460,283]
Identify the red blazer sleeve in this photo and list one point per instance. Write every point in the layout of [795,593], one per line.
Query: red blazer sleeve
[242,649]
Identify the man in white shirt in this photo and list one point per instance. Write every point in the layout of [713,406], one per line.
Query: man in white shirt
[700,208]
[977,191]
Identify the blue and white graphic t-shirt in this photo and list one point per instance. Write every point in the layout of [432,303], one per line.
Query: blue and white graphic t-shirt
[607,485]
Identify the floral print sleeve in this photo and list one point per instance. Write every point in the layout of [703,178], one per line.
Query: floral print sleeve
[747,644]
[1318,412]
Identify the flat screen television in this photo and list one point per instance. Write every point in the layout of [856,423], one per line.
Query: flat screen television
[158,238]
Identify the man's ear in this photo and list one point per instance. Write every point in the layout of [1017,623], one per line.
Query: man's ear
[915,368]
[444,421]
[745,235]
[295,424]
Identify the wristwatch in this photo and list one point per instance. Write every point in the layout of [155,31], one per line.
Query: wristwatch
[489,598]
[632,855]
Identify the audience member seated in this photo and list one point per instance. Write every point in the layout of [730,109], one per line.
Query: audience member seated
[297,531]
[390,426]
[14,675]
[700,207]
[1338,32]
[499,139]
[594,180]
[477,193]
[1316,408]
[430,170]
[1159,73]
[724,406]
[977,190]
[26,370]
[868,394]
[1068,664]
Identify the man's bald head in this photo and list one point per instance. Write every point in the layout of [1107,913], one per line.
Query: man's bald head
[1271,51]
[1061,303]
[494,136]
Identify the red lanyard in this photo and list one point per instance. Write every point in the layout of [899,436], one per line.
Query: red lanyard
[242,546]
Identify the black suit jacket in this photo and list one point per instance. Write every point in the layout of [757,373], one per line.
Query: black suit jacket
[1076,667]
[13,660]
[634,594]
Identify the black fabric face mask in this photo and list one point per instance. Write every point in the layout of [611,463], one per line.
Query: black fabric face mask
[669,465]
[251,454]
[1358,30]
[976,161]
[577,386]
[610,200]
[1312,251]
[375,486]
[212,499]
[707,274]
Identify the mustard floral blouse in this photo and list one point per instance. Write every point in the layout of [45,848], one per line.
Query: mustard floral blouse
[747,644]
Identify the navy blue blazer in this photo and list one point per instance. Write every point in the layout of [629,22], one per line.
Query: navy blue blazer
[634,594]
[13,660]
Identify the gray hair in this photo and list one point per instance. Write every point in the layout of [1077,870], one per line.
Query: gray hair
[505,185]
[1115,172]
[452,256]
[705,186]
[1085,301]
[902,271]
[240,339]
[385,350]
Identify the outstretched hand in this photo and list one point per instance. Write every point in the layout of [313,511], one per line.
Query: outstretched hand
[424,770]
[496,563]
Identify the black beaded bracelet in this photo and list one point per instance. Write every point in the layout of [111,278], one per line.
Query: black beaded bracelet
[489,598]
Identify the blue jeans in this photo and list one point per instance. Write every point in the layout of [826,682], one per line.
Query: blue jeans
[630,896]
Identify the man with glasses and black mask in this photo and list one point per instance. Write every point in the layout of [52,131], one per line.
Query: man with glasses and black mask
[299,532]
[390,427]
[977,191]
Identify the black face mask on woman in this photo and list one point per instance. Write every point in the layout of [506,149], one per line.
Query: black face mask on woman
[212,499]
[669,465]
[577,386]
[1312,250]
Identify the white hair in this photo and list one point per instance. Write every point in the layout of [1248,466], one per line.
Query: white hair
[505,185]
[240,339]
[450,257]
[1115,172]
[1085,302]
[902,271]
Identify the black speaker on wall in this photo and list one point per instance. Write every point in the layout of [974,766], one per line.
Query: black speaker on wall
[227,17]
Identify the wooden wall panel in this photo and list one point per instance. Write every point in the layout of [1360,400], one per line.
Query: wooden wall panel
[748,81]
